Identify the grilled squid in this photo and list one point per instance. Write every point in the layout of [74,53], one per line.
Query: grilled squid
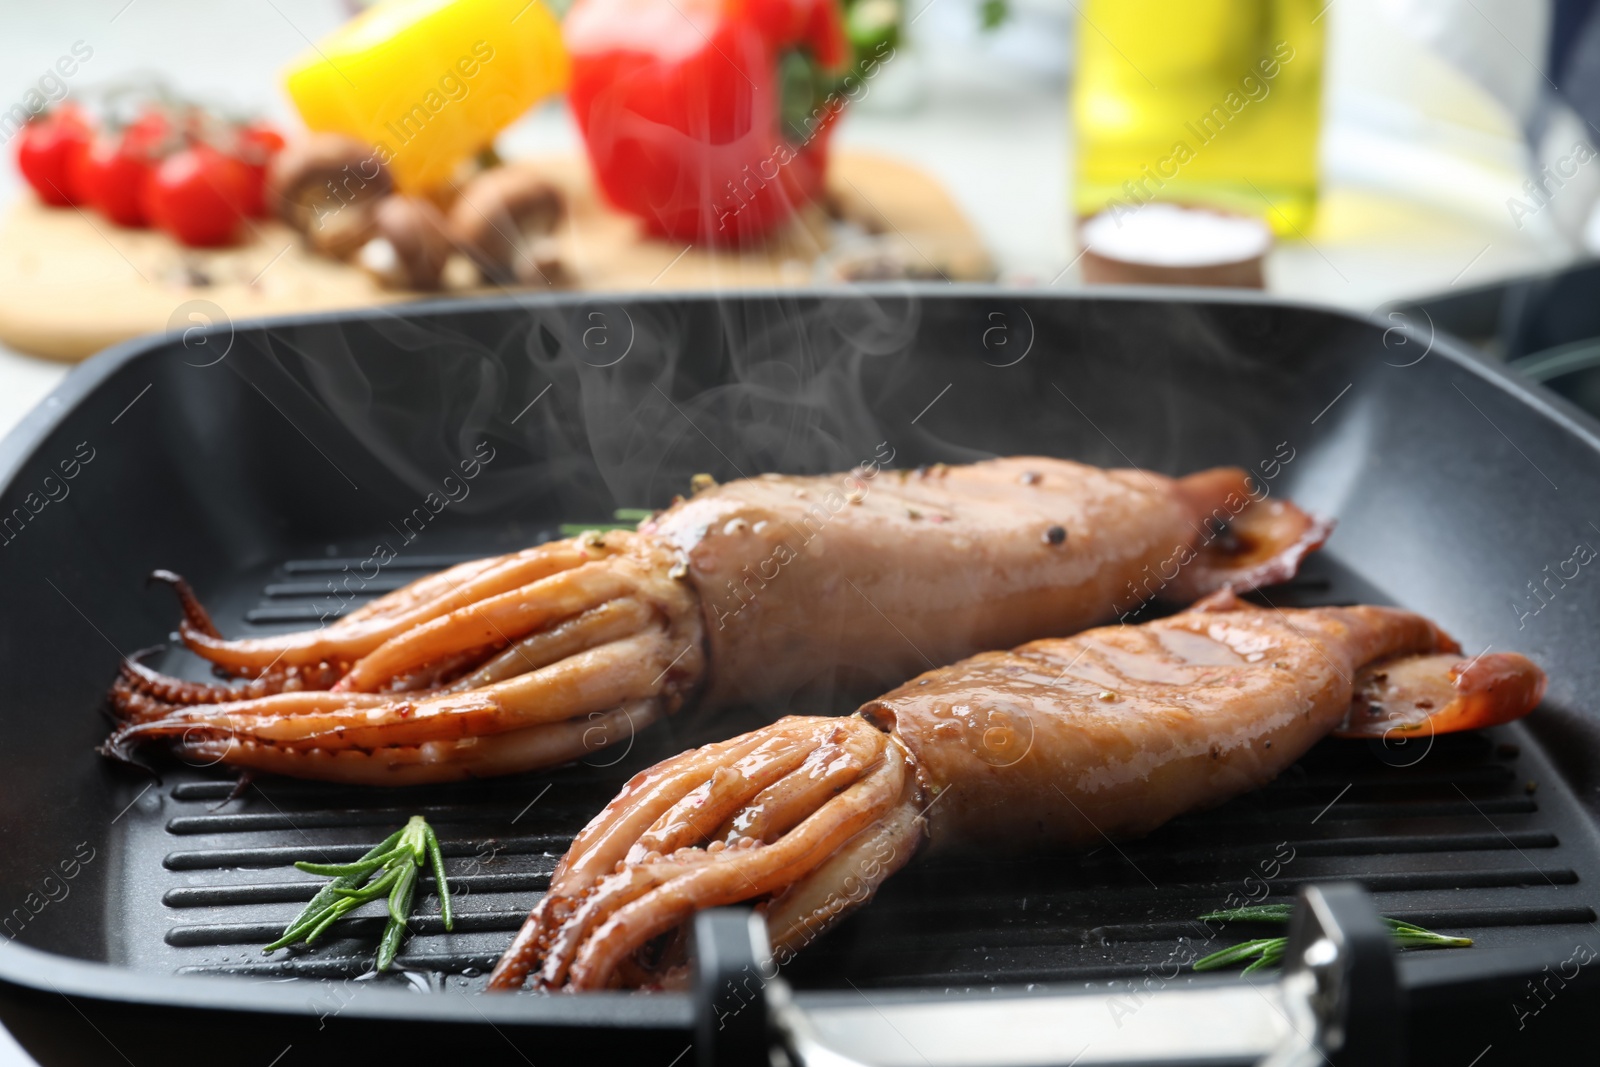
[746,592]
[1062,742]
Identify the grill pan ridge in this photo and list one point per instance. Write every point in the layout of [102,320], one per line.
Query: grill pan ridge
[268,475]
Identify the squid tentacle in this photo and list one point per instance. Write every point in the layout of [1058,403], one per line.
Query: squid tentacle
[607,622]
[171,690]
[618,890]
[592,681]
[846,881]
[694,818]
[195,615]
[239,717]
[850,747]
[603,640]
[776,808]
[736,874]
[131,704]
[413,594]
[355,636]
[494,622]
[433,761]
[603,843]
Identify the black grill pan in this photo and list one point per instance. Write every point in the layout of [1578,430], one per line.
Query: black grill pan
[267,461]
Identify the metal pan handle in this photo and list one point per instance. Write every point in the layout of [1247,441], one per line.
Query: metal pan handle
[1338,1003]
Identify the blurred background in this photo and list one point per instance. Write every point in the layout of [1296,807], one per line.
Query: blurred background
[1420,159]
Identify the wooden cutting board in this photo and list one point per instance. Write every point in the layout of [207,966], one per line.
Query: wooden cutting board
[72,283]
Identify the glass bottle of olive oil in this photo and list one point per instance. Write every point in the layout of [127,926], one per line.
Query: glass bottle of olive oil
[1212,102]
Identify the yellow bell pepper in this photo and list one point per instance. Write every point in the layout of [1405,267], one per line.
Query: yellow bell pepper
[428,83]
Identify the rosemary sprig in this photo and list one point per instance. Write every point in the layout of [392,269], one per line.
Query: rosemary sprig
[1261,953]
[1267,951]
[389,869]
[578,529]
[1259,913]
[627,519]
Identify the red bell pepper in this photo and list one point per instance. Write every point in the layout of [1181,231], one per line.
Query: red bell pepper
[707,119]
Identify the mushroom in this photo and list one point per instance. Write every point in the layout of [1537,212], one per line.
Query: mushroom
[410,245]
[505,219]
[327,186]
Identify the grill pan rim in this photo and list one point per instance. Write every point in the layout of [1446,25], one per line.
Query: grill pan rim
[17,446]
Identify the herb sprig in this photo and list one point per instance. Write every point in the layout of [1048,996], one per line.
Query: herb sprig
[1268,951]
[627,519]
[390,869]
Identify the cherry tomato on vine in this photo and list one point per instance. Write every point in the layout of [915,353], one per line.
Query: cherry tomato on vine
[195,195]
[112,173]
[47,149]
[258,143]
